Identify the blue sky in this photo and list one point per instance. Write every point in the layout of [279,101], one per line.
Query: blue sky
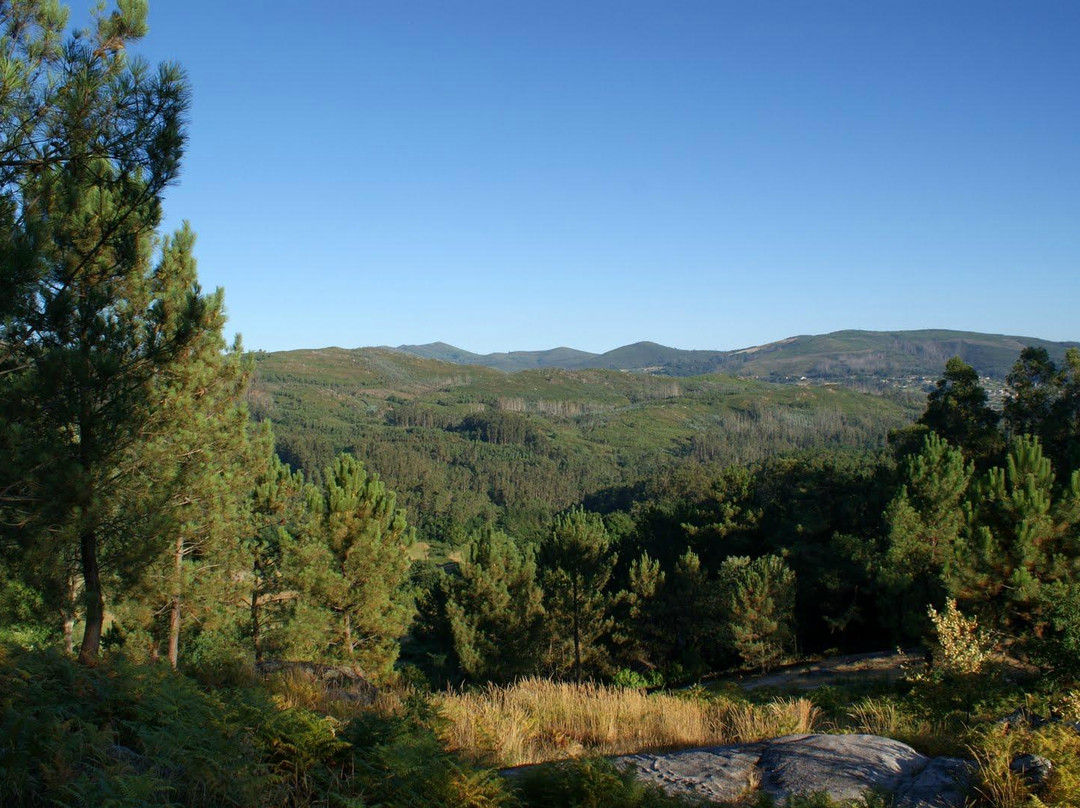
[519,175]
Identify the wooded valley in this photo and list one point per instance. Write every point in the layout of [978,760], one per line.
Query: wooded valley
[178,516]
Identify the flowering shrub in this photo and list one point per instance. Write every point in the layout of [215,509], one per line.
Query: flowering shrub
[963,647]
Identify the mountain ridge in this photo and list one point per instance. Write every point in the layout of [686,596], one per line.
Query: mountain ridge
[845,354]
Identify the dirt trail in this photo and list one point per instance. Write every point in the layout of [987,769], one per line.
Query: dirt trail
[889,665]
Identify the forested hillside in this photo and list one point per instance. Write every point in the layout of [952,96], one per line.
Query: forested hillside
[211,588]
[467,445]
[875,360]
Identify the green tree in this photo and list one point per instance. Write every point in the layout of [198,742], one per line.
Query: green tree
[925,522]
[759,606]
[1034,384]
[640,630]
[200,463]
[495,609]
[277,520]
[357,602]
[89,324]
[1021,537]
[1044,400]
[958,410]
[576,562]
[1063,436]
[688,599]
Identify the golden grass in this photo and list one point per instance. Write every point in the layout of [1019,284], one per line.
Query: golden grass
[889,718]
[997,787]
[537,720]
[299,689]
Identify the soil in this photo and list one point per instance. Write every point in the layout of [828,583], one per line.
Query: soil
[883,665]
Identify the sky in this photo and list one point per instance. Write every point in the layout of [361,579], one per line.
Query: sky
[517,175]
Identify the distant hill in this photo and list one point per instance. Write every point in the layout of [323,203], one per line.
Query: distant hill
[842,356]
[467,445]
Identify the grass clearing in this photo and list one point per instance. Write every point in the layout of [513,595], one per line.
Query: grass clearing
[537,720]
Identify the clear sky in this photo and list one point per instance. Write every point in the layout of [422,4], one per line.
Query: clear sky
[508,174]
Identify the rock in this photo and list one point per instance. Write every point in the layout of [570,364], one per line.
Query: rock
[718,773]
[125,755]
[343,682]
[1023,717]
[845,767]
[944,783]
[1034,769]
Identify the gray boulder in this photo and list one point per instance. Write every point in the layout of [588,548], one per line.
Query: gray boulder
[845,767]
[717,773]
[1034,769]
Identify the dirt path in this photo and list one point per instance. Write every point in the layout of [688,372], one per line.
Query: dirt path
[887,665]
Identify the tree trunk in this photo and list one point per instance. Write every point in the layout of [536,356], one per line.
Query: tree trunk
[174,616]
[349,646]
[69,612]
[92,596]
[256,627]
[69,634]
[577,634]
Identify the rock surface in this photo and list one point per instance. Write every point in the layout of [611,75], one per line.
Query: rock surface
[1034,769]
[843,766]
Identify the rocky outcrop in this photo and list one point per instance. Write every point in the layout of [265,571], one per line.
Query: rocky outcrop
[843,766]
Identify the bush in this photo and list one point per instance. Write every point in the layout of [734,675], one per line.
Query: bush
[634,680]
[962,647]
[124,735]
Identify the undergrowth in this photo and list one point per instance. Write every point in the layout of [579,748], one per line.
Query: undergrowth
[122,735]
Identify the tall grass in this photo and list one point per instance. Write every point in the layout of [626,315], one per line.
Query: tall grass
[537,720]
[996,786]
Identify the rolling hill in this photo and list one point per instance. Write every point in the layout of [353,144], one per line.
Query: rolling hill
[890,358]
[466,444]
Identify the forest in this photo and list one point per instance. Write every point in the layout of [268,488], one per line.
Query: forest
[192,537]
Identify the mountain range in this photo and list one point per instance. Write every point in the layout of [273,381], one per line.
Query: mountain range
[838,356]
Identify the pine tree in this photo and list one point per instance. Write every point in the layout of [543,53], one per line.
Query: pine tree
[188,489]
[925,521]
[958,410]
[203,457]
[277,519]
[1044,400]
[759,605]
[1033,385]
[1062,436]
[89,325]
[1021,537]
[576,562]
[689,602]
[495,609]
[357,602]
[640,632]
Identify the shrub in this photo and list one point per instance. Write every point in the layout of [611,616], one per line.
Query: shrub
[962,647]
[123,735]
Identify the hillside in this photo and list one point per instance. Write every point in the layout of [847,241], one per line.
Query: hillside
[463,444]
[878,359]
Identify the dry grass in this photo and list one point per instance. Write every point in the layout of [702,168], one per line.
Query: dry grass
[877,717]
[887,717]
[297,688]
[997,787]
[537,720]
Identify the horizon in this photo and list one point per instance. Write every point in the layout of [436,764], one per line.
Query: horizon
[710,174]
[601,352]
